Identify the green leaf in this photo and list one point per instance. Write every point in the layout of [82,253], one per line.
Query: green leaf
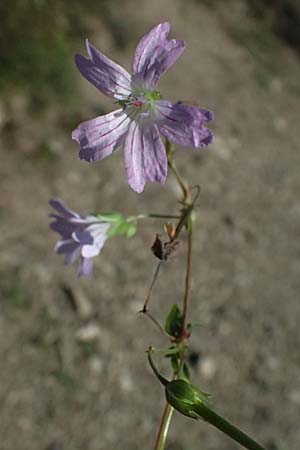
[186,372]
[173,323]
[175,363]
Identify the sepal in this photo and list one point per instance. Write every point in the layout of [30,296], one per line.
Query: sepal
[119,224]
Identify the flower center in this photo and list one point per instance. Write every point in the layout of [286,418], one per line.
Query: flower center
[141,101]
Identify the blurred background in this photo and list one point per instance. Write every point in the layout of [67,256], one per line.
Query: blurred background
[73,371]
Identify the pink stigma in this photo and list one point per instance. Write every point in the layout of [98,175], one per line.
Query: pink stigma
[138,103]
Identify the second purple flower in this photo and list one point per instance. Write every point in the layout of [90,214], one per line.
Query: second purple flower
[143,115]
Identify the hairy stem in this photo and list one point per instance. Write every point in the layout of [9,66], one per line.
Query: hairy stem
[186,297]
[171,164]
[179,180]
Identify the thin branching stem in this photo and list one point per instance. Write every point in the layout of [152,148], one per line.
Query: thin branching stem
[179,180]
[144,310]
[153,216]
[152,318]
[189,204]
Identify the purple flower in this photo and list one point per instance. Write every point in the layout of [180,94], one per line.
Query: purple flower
[143,115]
[82,236]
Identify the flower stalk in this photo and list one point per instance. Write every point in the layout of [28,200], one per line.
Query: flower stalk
[164,428]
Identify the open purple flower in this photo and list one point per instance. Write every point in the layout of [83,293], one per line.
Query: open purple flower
[82,236]
[143,115]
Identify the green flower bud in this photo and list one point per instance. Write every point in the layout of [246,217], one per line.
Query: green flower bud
[191,402]
[184,397]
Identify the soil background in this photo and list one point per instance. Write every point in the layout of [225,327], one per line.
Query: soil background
[74,374]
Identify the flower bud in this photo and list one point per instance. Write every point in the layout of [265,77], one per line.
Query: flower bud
[185,397]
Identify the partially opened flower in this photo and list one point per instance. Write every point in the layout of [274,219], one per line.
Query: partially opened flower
[82,236]
[143,115]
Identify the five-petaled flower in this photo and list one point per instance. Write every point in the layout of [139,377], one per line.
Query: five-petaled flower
[82,236]
[143,115]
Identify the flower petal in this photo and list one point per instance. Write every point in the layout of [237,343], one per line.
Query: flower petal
[157,35]
[145,156]
[85,267]
[183,124]
[154,55]
[90,251]
[98,234]
[134,159]
[107,76]
[72,256]
[62,226]
[198,115]
[66,246]
[62,209]
[99,137]
[82,237]
[155,157]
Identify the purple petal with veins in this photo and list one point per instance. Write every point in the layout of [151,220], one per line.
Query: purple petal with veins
[107,76]
[99,137]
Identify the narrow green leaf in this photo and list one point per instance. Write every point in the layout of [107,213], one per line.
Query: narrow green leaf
[186,372]
[173,323]
[175,363]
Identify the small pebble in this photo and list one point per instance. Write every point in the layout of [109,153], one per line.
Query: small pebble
[88,333]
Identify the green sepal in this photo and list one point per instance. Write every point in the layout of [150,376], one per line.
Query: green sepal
[131,229]
[173,325]
[121,103]
[153,95]
[111,217]
[185,397]
[170,149]
[191,220]
[191,402]
[124,227]
[119,224]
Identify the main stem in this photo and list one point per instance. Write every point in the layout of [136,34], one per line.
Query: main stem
[187,283]
[168,411]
